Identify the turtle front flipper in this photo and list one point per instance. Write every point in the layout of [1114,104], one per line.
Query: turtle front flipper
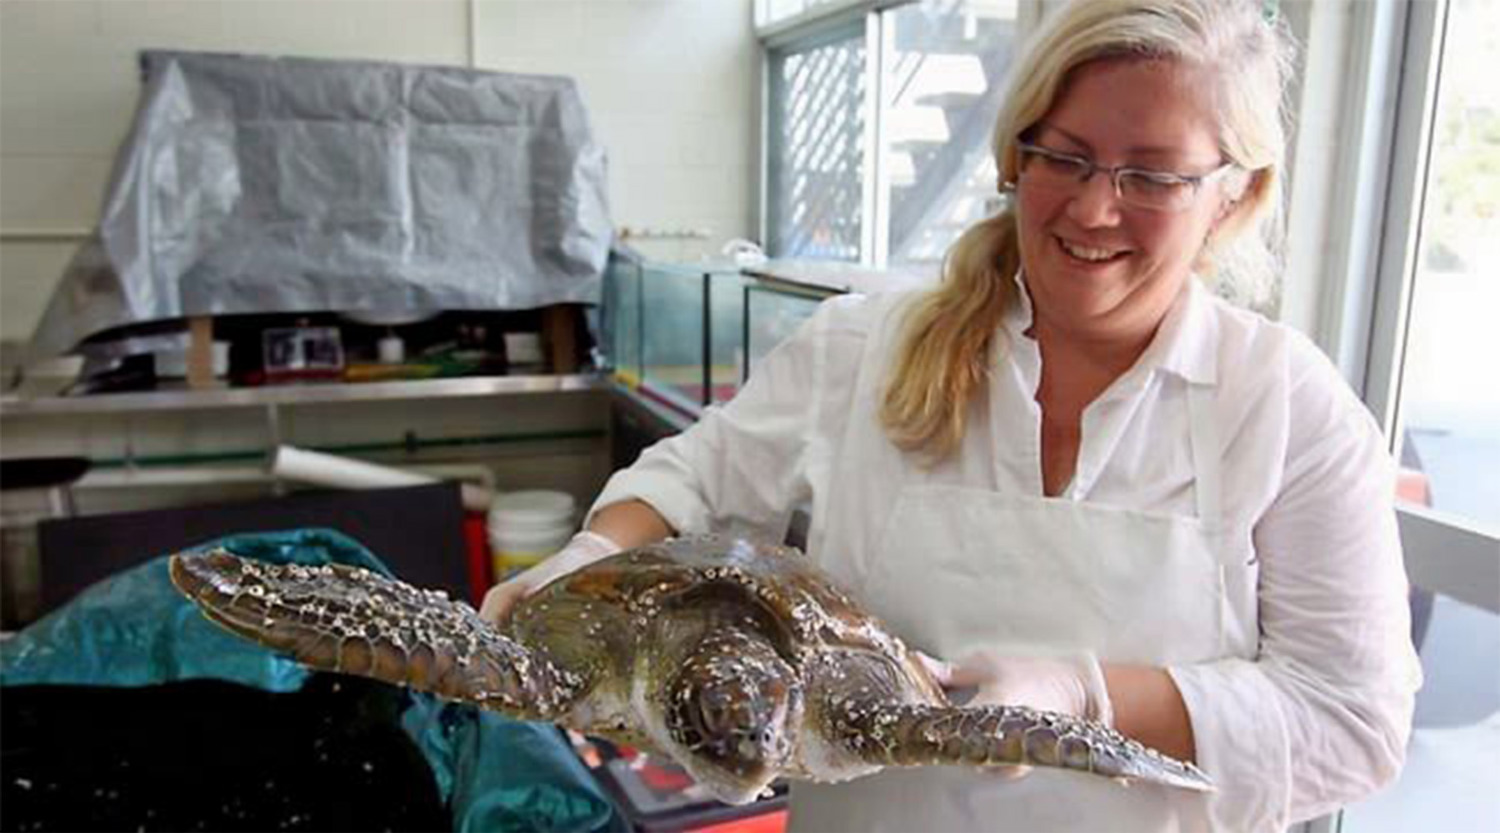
[352,621]
[909,734]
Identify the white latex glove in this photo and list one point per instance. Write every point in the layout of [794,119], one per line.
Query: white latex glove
[1071,685]
[582,550]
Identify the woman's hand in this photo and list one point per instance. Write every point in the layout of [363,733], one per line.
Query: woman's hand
[1067,685]
[1071,685]
[584,549]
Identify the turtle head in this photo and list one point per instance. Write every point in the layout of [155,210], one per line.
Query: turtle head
[733,709]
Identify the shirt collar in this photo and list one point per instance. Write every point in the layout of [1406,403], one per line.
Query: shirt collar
[1184,344]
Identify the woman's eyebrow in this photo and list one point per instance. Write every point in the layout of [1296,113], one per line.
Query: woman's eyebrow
[1085,146]
[1164,153]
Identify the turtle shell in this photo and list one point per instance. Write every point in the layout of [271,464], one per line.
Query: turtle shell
[796,600]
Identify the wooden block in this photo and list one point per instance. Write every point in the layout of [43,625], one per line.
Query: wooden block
[200,354]
[560,337]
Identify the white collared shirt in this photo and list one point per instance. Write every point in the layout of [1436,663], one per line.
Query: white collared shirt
[1321,716]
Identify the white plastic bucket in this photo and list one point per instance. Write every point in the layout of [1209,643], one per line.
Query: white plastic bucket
[527,526]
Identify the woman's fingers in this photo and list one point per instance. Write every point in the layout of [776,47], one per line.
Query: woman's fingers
[501,599]
[977,670]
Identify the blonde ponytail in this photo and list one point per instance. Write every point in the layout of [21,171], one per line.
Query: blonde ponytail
[944,352]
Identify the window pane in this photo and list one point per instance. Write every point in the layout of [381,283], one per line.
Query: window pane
[817,159]
[1449,405]
[1449,412]
[945,67]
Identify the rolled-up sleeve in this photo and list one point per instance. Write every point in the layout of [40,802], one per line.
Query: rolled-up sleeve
[742,467]
[1321,717]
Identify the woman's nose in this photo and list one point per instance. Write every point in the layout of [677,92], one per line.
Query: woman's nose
[1096,203]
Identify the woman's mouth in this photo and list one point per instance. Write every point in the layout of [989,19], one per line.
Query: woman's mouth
[1090,254]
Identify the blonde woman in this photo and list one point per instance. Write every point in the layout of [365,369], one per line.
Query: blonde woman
[1076,473]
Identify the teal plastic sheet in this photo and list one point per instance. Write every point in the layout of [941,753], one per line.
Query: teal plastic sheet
[135,629]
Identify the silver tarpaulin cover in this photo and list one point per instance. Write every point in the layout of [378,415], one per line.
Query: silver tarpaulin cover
[254,184]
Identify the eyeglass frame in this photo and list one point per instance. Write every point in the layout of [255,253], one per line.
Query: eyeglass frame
[1091,167]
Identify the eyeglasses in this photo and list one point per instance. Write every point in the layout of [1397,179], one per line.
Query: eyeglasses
[1153,190]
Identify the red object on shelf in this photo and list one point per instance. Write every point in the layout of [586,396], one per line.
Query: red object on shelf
[477,539]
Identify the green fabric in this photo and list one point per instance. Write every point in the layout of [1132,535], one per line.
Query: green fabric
[135,629]
[505,774]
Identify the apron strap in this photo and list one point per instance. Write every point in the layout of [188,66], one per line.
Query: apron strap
[1206,476]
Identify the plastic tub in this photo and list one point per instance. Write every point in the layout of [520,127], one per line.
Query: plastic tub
[527,526]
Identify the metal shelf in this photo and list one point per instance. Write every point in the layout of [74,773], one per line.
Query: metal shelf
[302,394]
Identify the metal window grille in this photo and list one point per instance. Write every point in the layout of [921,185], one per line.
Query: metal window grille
[818,162]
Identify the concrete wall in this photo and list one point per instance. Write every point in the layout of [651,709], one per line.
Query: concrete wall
[670,85]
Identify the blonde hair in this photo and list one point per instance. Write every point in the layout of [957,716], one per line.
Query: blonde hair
[943,357]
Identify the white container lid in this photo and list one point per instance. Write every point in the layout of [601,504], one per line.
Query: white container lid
[511,540]
[532,508]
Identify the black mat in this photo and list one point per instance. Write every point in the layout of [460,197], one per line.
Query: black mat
[209,755]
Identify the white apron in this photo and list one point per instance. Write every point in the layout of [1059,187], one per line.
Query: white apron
[959,569]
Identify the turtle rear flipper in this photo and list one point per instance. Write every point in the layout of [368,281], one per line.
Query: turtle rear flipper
[353,621]
[915,734]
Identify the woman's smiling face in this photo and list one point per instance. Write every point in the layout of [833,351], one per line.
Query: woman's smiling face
[1098,269]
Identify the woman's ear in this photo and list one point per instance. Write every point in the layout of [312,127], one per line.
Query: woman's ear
[1227,207]
[1236,186]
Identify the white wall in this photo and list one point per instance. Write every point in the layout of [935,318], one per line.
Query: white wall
[670,85]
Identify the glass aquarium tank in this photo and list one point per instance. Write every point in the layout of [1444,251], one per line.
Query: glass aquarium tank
[673,357]
[690,320]
[620,317]
[773,311]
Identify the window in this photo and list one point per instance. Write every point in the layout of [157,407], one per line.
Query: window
[879,128]
[1432,377]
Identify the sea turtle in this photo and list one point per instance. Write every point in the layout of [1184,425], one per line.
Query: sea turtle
[741,661]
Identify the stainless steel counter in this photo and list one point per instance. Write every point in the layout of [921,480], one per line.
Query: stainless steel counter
[301,394]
